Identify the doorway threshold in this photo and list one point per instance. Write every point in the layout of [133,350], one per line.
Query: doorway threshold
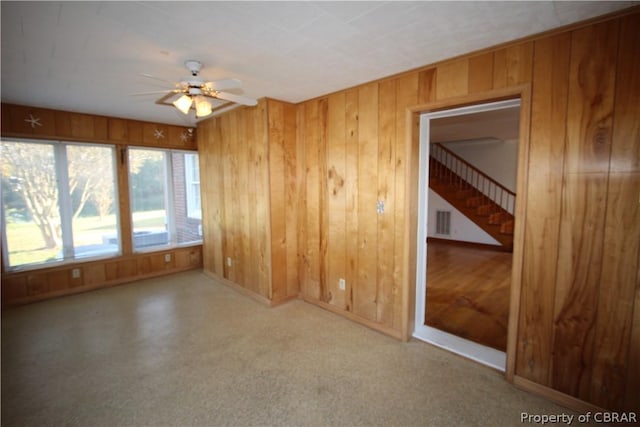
[477,352]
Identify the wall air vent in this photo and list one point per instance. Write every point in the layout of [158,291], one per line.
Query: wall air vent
[443,222]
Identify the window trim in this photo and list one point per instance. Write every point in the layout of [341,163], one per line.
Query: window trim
[61,169]
[191,159]
[169,196]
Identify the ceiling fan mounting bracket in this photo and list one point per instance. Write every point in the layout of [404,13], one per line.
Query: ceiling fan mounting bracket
[193,66]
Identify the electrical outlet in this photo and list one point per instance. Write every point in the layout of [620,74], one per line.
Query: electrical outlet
[75,273]
[228,261]
[342,284]
[167,257]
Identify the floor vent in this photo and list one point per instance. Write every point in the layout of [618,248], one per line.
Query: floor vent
[443,222]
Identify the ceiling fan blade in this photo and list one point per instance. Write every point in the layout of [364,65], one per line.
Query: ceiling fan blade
[236,98]
[154,92]
[223,84]
[149,76]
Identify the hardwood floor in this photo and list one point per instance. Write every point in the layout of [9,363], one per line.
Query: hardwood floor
[468,292]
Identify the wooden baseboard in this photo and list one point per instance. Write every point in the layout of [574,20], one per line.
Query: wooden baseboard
[349,315]
[284,300]
[246,292]
[91,288]
[468,244]
[560,398]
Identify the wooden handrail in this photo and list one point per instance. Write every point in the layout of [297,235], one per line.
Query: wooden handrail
[470,166]
[461,173]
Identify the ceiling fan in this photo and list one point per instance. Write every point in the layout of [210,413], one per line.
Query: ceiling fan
[205,97]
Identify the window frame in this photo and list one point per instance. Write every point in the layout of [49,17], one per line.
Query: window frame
[193,195]
[61,170]
[169,196]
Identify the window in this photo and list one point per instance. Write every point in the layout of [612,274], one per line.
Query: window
[165,198]
[59,202]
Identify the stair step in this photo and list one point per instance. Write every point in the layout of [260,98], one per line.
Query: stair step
[485,210]
[474,202]
[492,218]
[498,217]
[465,194]
[507,227]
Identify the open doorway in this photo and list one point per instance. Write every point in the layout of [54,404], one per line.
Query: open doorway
[466,218]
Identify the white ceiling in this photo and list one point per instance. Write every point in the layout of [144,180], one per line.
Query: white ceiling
[502,124]
[88,56]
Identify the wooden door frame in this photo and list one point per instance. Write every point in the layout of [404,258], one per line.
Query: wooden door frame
[412,154]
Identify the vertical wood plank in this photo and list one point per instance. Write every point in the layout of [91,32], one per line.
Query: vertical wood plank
[250,203]
[632,395]
[59,280]
[154,134]
[117,130]
[427,85]
[311,285]
[580,254]
[301,187]
[386,194]
[227,126]
[512,65]
[613,365]
[481,73]
[218,196]
[322,197]
[13,288]
[336,199]
[625,157]
[625,152]
[19,120]
[81,125]
[292,190]
[452,79]
[211,167]
[277,202]
[47,119]
[260,129]
[100,128]
[63,124]
[544,193]
[351,194]
[365,291]
[617,291]
[246,270]
[135,131]
[406,96]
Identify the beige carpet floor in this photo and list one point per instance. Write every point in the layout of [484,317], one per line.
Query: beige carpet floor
[184,350]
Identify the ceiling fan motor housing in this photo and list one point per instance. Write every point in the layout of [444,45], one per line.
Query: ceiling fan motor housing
[193,66]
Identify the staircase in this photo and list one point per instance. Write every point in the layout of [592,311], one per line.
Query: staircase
[483,200]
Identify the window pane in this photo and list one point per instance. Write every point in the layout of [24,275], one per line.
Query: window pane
[93,200]
[147,181]
[30,203]
[186,191]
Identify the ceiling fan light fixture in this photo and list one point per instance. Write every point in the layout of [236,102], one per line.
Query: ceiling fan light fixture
[183,103]
[203,106]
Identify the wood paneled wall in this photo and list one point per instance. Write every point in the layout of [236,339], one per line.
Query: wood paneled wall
[354,145]
[249,181]
[49,282]
[36,285]
[578,324]
[70,126]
